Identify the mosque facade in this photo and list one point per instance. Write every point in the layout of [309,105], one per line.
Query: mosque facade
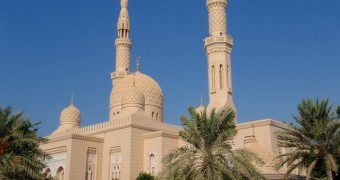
[135,138]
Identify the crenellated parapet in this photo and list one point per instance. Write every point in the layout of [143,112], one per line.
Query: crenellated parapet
[134,121]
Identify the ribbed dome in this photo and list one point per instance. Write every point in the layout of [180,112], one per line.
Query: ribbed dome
[133,96]
[152,92]
[70,115]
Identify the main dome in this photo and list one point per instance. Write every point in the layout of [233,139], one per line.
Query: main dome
[133,96]
[152,92]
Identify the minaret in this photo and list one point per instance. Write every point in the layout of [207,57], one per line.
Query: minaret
[218,49]
[123,44]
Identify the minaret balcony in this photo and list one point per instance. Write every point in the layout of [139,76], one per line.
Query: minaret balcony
[218,39]
[123,41]
[217,2]
[119,74]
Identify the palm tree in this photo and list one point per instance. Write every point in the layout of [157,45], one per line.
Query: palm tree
[145,176]
[316,139]
[20,156]
[208,156]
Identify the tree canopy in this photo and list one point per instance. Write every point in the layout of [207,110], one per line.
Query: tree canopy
[314,140]
[20,156]
[208,155]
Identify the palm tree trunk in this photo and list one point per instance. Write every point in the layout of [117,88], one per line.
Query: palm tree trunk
[329,170]
[307,176]
[309,169]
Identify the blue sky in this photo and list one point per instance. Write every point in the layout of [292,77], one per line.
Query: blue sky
[283,51]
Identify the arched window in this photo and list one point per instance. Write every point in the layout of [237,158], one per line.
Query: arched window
[220,72]
[152,114]
[60,173]
[156,116]
[213,78]
[228,76]
[152,164]
[48,172]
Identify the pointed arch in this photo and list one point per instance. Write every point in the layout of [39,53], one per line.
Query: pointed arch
[60,173]
[47,172]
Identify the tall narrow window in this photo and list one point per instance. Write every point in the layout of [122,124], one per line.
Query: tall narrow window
[152,164]
[220,72]
[228,76]
[213,78]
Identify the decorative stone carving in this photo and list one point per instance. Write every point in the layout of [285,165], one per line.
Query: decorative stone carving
[115,161]
[91,165]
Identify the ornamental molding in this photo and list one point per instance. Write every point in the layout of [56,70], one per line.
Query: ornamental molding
[115,149]
[212,3]
[161,134]
[217,49]
[68,135]
[123,42]
[57,150]
[265,122]
[92,150]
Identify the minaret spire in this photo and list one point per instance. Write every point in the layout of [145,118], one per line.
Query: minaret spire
[123,44]
[218,49]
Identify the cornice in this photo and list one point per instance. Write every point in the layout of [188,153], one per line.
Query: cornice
[133,121]
[264,122]
[213,3]
[57,150]
[160,134]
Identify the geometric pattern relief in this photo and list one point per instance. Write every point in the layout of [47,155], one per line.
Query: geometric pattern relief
[70,113]
[217,20]
[133,96]
[122,58]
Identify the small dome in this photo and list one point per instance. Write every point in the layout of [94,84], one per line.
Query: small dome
[200,109]
[152,92]
[70,115]
[133,96]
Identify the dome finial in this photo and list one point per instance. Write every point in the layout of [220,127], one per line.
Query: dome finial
[138,64]
[72,98]
[201,100]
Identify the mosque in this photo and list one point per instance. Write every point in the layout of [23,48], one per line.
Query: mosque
[135,138]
